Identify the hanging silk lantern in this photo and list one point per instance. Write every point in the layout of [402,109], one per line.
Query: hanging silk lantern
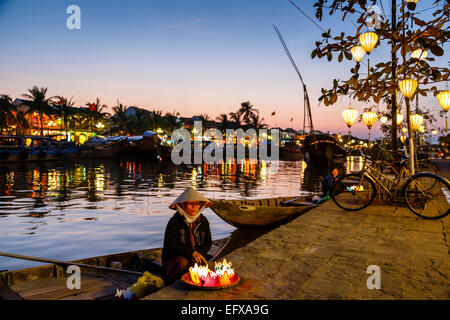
[444,99]
[350,115]
[399,118]
[408,87]
[368,41]
[384,119]
[416,121]
[434,132]
[419,54]
[369,118]
[358,53]
[402,138]
[92,107]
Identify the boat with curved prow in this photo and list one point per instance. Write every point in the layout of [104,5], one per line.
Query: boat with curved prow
[261,212]
[323,150]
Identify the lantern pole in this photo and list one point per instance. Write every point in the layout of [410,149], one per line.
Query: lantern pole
[407,102]
[394,145]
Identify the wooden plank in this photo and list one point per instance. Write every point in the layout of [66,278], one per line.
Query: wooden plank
[6,293]
[57,287]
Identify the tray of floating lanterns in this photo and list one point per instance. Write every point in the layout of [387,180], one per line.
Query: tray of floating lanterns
[201,277]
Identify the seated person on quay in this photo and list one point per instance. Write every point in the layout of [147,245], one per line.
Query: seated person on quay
[188,237]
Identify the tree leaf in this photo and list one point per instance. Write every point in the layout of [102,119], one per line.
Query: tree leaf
[437,51]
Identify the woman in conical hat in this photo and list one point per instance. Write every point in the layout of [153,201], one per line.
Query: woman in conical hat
[188,237]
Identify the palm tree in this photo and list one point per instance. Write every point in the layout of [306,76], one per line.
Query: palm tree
[224,121]
[248,111]
[256,122]
[41,102]
[96,112]
[119,119]
[5,111]
[65,109]
[236,118]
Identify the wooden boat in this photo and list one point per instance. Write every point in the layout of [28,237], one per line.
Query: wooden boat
[261,212]
[14,149]
[323,150]
[49,282]
[291,152]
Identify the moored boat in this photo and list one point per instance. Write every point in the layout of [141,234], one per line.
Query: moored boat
[33,148]
[261,212]
[290,151]
[323,150]
[49,282]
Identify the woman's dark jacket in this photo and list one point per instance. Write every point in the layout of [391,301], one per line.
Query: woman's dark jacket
[177,238]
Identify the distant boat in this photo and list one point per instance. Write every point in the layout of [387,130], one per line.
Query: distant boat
[102,147]
[323,150]
[291,152]
[34,148]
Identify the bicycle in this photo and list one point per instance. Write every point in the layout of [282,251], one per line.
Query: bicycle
[423,193]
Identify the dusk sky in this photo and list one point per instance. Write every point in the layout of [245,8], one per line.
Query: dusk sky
[192,56]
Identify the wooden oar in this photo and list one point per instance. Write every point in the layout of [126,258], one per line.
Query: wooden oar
[287,202]
[68,263]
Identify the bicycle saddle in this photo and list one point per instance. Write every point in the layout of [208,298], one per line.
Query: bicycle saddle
[400,163]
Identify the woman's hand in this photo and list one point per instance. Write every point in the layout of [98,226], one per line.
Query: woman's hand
[198,258]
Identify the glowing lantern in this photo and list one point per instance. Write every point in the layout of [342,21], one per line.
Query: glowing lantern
[403,139]
[404,129]
[368,41]
[419,54]
[224,272]
[408,87]
[358,53]
[350,115]
[209,280]
[194,275]
[444,99]
[384,119]
[421,129]
[416,121]
[369,118]
[399,118]
[434,132]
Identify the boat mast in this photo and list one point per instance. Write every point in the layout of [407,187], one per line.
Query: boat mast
[307,117]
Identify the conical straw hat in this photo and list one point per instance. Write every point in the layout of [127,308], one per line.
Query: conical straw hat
[190,194]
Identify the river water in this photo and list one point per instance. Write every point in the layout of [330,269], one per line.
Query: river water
[73,210]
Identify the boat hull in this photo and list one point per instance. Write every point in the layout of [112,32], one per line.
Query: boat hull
[288,154]
[49,282]
[260,212]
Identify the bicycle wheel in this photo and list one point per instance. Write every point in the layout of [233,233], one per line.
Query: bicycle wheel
[351,193]
[424,166]
[426,195]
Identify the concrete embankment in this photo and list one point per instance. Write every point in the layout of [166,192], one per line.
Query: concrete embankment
[325,254]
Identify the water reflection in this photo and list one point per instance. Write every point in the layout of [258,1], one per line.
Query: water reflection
[99,207]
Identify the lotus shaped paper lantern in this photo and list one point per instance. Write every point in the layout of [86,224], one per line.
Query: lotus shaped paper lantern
[350,115]
[416,121]
[358,53]
[408,87]
[368,41]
